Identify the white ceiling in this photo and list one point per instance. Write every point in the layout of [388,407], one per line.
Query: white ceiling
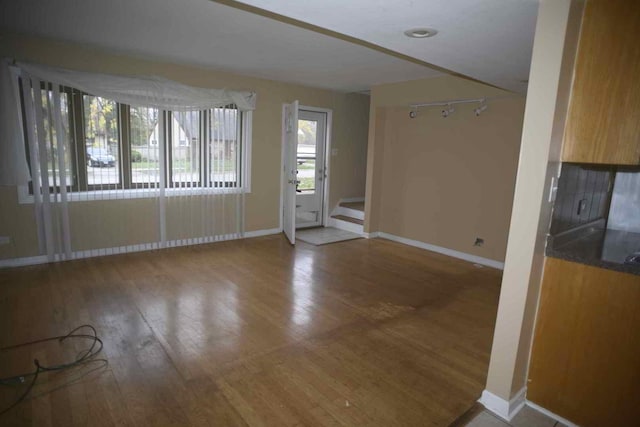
[490,40]
[204,33]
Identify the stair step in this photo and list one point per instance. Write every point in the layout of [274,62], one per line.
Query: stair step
[358,206]
[348,219]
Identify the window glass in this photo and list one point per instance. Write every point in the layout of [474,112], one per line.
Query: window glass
[223,159]
[52,139]
[145,145]
[306,155]
[101,138]
[185,148]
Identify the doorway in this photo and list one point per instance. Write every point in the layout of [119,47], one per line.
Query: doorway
[311,168]
[306,142]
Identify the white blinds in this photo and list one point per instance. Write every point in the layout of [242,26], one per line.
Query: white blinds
[109,177]
[48,139]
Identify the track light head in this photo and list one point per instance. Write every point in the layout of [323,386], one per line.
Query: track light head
[448,110]
[480,109]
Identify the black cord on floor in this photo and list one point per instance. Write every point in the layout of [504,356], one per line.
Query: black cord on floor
[82,358]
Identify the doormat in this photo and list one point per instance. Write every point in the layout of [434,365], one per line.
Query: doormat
[325,235]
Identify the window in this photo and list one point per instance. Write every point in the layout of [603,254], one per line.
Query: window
[144,134]
[113,146]
[186,128]
[306,155]
[52,143]
[101,138]
[223,147]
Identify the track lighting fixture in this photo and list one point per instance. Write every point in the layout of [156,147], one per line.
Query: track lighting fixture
[448,106]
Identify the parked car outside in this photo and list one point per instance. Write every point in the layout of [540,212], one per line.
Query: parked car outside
[99,157]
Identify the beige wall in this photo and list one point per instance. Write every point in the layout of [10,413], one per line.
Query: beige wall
[549,83]
[444,181]
[17,222]
[349,136]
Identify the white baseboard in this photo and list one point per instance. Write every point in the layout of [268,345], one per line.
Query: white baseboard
[503,408]
[445,251]
[260,233]
[22,262]
[352,213]
[550,414]
[371,235]
[42,259]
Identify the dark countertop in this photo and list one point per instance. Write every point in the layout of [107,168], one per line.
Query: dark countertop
[598,247]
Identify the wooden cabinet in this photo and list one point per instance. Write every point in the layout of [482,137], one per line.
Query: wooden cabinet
[603,120]
[585,361]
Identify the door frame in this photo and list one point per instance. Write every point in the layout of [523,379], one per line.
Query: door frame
[327,160]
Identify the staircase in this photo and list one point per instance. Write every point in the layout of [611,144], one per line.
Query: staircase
[349,216]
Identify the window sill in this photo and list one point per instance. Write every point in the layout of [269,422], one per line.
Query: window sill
[143,193]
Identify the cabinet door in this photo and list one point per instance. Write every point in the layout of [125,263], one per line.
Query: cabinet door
[585,361]
[603,122]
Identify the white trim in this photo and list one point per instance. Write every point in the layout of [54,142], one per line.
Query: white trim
[345,225]
[351,213]
[327,165]
[351,200]
[21,262]
[316,109]
[445,251]
[550,414]
[502,408]
[162,153]
[247,141]
[282,161]
[260,233]
[42,259]
[134,193]
[372,235]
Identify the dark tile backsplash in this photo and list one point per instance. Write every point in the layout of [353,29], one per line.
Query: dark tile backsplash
[584,194]
[624,214]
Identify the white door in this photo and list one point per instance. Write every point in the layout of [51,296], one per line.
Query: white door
[290,179]
[311,171]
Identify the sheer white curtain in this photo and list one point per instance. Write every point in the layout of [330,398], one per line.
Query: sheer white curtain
[148,91]
[13,165]
[49,152]
[183,177]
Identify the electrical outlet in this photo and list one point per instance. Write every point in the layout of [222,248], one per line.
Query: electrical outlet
[582,205]
[479,242]
[5,240]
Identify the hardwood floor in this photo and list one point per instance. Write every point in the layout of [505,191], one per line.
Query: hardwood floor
[254,332]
